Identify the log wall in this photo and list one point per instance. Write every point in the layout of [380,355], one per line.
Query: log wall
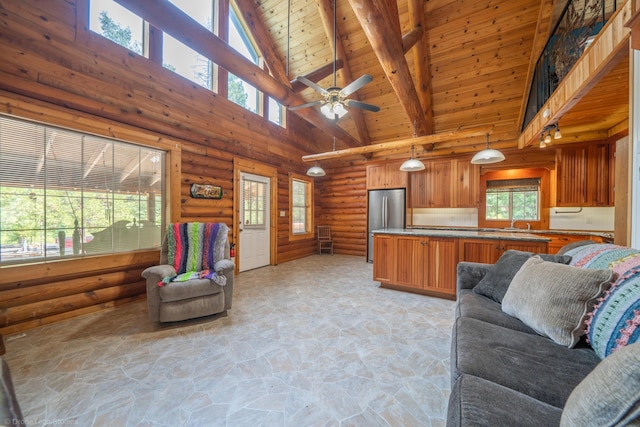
[56,72]
[343,205]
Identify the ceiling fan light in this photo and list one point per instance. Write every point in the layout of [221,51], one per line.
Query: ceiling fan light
[339,109]
[316,170]
[412,165]
[326,110]
[547,138]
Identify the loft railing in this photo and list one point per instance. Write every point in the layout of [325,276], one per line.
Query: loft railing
[578,24]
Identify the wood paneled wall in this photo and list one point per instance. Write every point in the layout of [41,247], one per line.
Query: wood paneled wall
[56,73]
[343,205]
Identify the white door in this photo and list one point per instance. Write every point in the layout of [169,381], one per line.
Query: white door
[254,250]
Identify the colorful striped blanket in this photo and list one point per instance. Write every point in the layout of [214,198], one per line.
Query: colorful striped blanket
[193,248]
[615,319]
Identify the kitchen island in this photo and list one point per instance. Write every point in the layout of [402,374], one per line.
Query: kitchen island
[425,260]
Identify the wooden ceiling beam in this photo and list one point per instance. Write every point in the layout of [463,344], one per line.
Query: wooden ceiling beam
[404,143]
[316,75]
[170,19]
[325,9]
[422,61]
[377,21]
[262,38]
[410,39]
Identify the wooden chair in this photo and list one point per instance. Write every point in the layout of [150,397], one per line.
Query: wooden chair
[325,243]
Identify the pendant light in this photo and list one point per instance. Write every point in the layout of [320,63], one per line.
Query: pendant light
[316,170]
[488,155]
[412,164]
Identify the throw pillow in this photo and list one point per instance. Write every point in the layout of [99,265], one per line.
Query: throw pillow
[609,395]
[495,283]
[554,299]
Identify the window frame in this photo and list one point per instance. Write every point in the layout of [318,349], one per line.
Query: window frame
[152,49]
[511,204]
[309,205]
[544,197]
[169,208]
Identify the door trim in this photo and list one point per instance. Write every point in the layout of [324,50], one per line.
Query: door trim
[250,166]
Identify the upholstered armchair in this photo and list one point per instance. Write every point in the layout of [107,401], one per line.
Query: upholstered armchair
[195,275]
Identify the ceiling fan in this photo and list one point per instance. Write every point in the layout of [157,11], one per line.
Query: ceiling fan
[335,101]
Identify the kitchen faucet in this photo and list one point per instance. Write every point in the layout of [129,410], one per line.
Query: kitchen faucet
[513,223]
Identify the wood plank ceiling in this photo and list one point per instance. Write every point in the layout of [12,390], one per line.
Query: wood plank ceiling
[478,55]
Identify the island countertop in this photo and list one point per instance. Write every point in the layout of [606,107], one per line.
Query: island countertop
[463,234]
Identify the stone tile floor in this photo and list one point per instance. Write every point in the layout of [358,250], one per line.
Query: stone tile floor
[312,342]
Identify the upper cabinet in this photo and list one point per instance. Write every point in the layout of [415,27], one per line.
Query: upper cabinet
[585,175]
[386,175]
[445,183]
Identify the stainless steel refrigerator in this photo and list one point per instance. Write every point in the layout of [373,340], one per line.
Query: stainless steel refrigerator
[386,209]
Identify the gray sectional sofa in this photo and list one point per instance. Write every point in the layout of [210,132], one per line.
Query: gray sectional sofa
[505,373]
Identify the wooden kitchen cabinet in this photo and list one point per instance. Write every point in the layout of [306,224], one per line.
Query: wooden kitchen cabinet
[488,251]
[560,240]
[466,184]
[410,261]
[386,175]
[584,175]
[445,184]
[422,263]
[384,258]
[440,267]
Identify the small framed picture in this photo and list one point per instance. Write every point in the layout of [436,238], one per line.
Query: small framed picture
[206,191]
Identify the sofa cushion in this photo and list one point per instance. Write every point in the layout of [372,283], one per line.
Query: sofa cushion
[176,291]
[554,299]
[530,364]
[482,308]
[610,395]
[478,402]
[497,280]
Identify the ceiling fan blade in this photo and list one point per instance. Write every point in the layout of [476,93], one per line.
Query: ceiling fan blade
[311,84]
[363,105]
[356,84]
[308,104]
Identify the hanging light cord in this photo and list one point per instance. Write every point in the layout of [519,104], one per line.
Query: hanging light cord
[335,46]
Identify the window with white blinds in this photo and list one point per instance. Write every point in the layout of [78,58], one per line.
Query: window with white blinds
[513,199]
[301,207]
[68,194]
[254,198]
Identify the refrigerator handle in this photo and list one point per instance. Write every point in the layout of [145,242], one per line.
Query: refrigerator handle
[385,211]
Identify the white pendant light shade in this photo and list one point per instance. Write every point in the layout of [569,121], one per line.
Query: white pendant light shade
[412,165]
[488,155]
[316,170]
